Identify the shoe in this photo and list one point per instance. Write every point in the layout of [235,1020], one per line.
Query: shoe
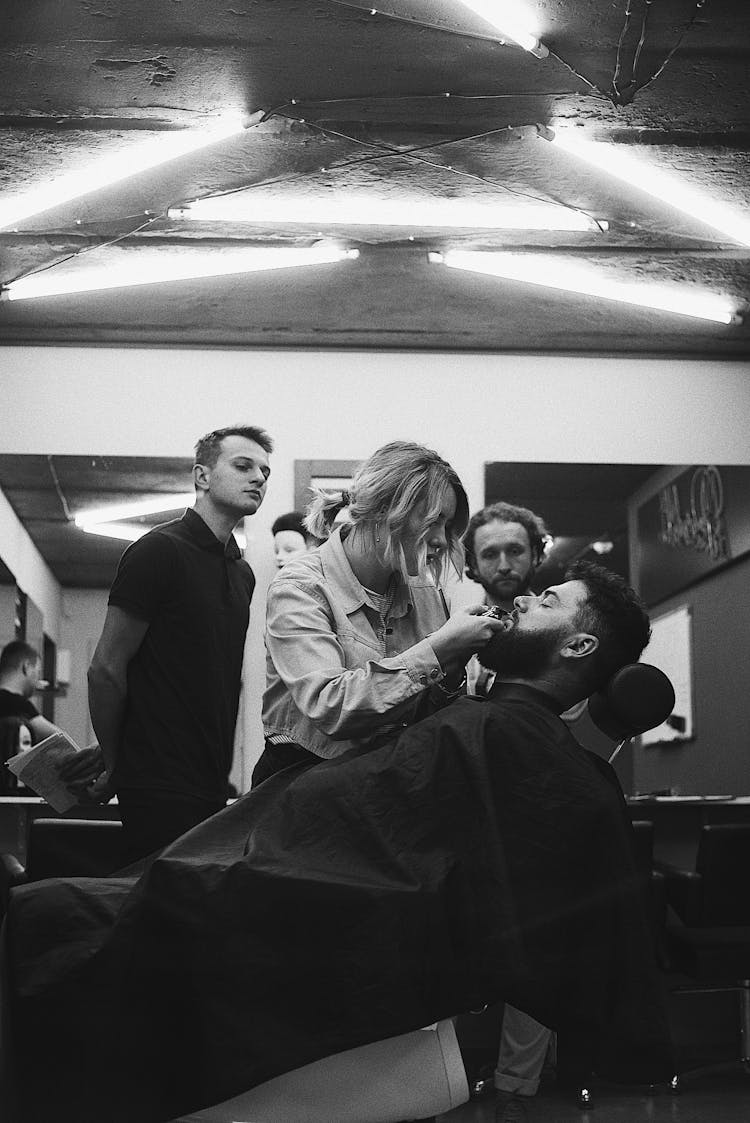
[510,1108]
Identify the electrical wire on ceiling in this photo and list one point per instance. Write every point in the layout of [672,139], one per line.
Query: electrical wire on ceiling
[466,34]
[149,216]
[382,152]
[577,74]
[429,25]
[642,38]
[445,95]
[616,94]
[411,154]
[687,28]
[623,95]
[620,44]
[619,95]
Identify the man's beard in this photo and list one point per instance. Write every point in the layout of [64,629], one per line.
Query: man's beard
[519,654]
[520,586]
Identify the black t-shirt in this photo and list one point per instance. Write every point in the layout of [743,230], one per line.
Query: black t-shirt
[15,705]
[184,680]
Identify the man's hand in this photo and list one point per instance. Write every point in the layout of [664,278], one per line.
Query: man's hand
[82,769]
[101,791]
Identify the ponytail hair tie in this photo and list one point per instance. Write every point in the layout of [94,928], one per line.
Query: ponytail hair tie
[345,497]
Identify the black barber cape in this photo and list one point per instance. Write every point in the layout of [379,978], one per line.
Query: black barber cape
[483,855]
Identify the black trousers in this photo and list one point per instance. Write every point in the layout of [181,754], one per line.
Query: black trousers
[275,757]
[151,820]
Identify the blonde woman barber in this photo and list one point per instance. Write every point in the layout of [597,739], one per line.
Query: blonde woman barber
[359,642]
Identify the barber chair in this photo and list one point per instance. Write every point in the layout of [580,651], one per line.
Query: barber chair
[652,881]
[637,698]
[710,939]
[56,848]
[63,848]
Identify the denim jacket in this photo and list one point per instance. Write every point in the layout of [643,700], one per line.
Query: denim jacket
[337,673]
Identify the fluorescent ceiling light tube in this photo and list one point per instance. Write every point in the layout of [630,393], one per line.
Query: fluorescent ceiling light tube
[445,214]
[123,531]
[185,265]
[553,272]
[505,16]
[116,511]
[131,532]
[664,186]
[111,169]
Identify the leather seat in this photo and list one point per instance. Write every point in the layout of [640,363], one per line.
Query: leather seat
[710,939]
[653,884]
[63,848]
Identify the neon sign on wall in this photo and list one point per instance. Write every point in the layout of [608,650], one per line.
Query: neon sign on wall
[701,526]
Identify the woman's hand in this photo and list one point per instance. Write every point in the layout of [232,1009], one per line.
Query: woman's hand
[466,631]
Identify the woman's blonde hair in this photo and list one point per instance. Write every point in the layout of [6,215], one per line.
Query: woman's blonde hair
[385,491]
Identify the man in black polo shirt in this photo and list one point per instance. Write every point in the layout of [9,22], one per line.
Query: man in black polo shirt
[20,677]
[164,682]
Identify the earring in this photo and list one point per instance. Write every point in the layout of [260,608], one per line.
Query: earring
[377,533]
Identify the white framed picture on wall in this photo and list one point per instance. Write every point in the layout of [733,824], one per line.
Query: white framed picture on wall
[671,650]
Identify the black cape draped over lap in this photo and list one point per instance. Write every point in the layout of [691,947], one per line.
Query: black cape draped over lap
[483,855]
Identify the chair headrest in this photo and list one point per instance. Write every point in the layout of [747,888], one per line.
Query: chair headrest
[637,698]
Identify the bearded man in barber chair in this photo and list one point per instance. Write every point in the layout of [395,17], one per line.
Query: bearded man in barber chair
[481,856]
[504,546]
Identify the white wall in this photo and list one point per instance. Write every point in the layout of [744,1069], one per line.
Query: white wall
[83,612]
[472,407]
[25,562]
[7,614]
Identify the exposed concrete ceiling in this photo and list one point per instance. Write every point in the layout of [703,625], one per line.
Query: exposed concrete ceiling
[47,492]
[349,104]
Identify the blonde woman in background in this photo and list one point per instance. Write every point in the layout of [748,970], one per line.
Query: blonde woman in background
[358,638]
